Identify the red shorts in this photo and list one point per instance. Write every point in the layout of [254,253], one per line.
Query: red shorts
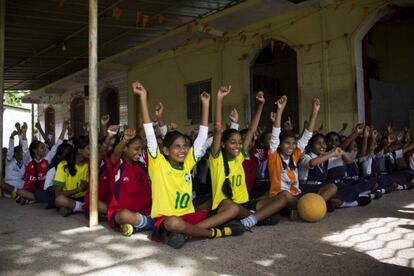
[192,218]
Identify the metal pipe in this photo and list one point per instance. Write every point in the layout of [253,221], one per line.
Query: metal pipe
[2,35]
[93,112]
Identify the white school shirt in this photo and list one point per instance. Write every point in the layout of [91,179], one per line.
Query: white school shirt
[14,174]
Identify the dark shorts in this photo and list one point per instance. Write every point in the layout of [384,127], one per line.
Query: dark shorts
[45,197]
[192,218]
[250,205]
[310,188]
[200,199]
[80,199]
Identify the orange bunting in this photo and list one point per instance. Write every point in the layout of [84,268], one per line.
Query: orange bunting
[310,46]
[327,44]
[338,3]
[243,38]
[190,27]
[161,19]
[353,6]
[61,3]
[225,35]
[205,26]
[117,12]
[260,40]
[365,11]
[138,18]
[145,19]
[272,44]
[255,35]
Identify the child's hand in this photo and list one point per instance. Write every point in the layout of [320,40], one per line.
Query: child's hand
[260,97]
[367,130]
[400,137]
[24,128]
[14,133]
[66,125]
[223,91]
[321,128]
[391,139]
[159,110]
[172,126]
[139,89]
[38,125]
[205,97]
[359,128]
[389,128]
[105,119]
[344,126]
[17,126]
[281,103]
[338,152]
[234,116]
[112,130]
[83,186]
[129,133]
[273,117]
[316,105]
[374,133]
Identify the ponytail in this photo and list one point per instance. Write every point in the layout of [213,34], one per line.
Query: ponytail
[226,188]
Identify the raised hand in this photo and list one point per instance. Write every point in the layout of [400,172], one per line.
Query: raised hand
[172,126]
[23,128]
[281,103]
[321,128]
[344,126]
[129,133]
[359,128]
[316,105]
[37,125]
[66,125]
[337,152]
[205,97]
[139,89]
[105,119]
[260,97]
[84,185]
[367,131]
[223,91]
[17,126]
[112,130]
[14,133]
[234,116]
[273,117]
[288,124]
[159,110]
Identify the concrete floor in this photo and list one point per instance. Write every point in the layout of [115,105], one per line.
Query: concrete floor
[377,239]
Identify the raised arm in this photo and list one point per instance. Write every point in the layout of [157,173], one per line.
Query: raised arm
[364,149]
[159,112]
[308,132]
[218,128]
[152,144]
[256,119]
[42,133]
[358,130]
[10,150]
[24,143]
[52,151]
[200,141]
[108,142]
[119,148]
[277,122]
[322,158]
[104,125]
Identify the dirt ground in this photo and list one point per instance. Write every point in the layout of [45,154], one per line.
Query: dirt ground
[374,240]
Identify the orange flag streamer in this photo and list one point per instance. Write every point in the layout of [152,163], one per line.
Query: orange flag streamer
[117,12]
[365,11]
[243,38]
[353,6]
[327,44]
[260,40]
[190,27]
[145,19]
[225,36]
[161,19]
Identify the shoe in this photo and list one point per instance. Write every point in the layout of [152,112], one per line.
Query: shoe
[330,206]
[175,240]
[20,200]
[408,186]
[293,215]
[363,200]
[271,220]
[232,228]
[65,212]
[127,229]
[376,195]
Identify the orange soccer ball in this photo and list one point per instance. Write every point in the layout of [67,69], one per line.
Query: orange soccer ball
[311,207]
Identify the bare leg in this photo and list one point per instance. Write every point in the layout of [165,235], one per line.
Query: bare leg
[64,201]
[269,206]
[204,206]
[328,191]
[178,225]
[102,208]
[226,211]
[126,216]
[7,187]
[26,194]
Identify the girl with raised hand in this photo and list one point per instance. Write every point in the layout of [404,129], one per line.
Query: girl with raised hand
[130,205]
[285,153]
[227,174]
[170,172]
[36,169]
[16,161]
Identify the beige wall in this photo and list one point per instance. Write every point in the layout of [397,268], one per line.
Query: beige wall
[327,73]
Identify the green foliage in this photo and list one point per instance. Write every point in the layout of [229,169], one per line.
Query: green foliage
[13,98]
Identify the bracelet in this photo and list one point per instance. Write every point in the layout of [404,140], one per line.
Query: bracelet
[218,126]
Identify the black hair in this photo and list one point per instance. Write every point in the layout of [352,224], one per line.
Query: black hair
[261,141]
[171,137]
[34,145]
[79,143]
[330,134]
[16,149]
[58,156]
[226,188]
[286,134]
[313,140]
[187,137]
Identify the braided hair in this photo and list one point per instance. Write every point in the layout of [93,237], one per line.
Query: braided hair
[226,188]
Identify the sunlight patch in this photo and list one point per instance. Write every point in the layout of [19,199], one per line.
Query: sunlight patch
[385,239]
[265,262]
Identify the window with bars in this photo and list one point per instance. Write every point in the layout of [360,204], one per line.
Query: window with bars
[193,100]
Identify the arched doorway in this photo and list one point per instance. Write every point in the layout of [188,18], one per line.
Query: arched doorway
[77,110]
[274,71]
[50,121]
[383,59]
[109,104]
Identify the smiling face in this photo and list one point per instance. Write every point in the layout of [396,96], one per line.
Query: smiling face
[233,145]
[177,151]
[319,146]
[332,141]
[287,146]
[40,151]
[133,150]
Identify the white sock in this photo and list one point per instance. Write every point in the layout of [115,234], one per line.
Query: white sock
[349,204]
[142,221]
[78,206]
[249,221]
[366,193]
[399,188]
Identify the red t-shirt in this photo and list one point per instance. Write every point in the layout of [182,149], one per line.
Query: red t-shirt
[131,189]
[30,175]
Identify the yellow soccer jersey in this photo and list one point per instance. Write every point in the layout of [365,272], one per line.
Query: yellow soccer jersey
[68,182]
[236,176]
[172,188]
